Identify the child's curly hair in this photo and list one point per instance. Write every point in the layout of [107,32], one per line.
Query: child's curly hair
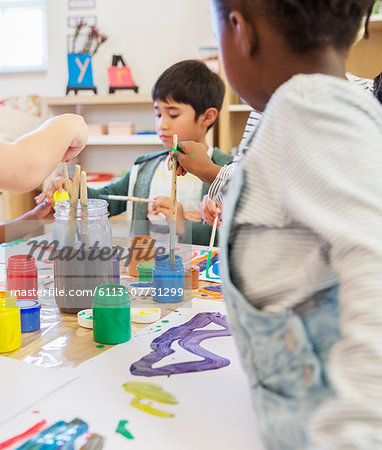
[308,24]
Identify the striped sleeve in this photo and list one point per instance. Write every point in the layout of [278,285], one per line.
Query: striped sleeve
[216,189]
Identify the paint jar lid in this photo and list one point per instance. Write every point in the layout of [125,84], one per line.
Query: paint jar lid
[21,262]
[60,196]
[112,296]
[146,267]
[145,315]
[30,314]
[162,261]
[85,318]
[7,300]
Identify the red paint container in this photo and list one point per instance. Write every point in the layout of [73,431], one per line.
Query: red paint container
[22,276]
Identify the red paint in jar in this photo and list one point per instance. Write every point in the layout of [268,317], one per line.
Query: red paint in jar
[22,276]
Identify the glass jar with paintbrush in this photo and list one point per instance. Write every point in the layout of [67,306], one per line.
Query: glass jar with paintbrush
[82,248]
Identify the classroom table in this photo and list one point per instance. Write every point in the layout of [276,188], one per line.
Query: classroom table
[212,408]
[61,342]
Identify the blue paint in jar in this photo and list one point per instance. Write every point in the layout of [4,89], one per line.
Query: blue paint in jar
[168,280]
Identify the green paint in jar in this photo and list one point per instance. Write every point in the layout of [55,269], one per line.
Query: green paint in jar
[111,314]
[145,271]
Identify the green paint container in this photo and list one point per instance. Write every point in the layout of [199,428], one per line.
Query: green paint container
[145,271]
[111,314]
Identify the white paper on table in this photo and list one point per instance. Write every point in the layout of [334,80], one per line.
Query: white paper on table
[213,411]
[22,385]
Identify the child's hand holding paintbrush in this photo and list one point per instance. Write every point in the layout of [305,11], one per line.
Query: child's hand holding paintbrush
[193,158]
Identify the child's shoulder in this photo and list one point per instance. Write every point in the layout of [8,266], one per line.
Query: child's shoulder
[325,97]
[319,88]
[221,158]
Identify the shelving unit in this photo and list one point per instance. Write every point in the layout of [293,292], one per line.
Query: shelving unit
[365,60]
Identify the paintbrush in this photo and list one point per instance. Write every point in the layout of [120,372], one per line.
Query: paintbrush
[73,206]
[125,198]
[212,240]
[84,209]
[67,179]
[171,258]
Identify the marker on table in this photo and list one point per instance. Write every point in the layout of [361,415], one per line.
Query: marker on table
[125,198]
[212,240]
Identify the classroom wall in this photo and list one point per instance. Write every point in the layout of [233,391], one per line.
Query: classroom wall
[150,34]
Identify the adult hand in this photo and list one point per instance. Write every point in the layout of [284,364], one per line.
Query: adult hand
[80,137]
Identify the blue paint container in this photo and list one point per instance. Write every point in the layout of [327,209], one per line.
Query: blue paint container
[168,280]
[30,314]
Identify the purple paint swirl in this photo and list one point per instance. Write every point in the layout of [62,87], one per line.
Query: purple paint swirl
[203,264]
[190,340]
[216,288]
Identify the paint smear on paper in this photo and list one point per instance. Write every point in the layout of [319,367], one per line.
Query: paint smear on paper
[189,336]
[121,429]
[152,392]
[201,258]
[213,291]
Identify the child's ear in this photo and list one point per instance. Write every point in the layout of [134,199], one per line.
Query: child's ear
[244,33]
[209,117]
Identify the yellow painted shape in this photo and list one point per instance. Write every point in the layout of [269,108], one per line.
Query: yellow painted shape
[148,391]
[60,196]
[148,311]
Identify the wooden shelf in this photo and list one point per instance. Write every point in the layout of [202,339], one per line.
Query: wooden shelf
[72,100]
[239,108]
[135,139]
[376,19]
[47,103]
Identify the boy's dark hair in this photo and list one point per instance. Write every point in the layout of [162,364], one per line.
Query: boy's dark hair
[308,24]
[378,87]
[190,82]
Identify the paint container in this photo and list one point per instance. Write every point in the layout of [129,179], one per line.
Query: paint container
[168,280]
[10,323]
[142,249]
[22,276]
[30,314]
[111,314]
[145,271]
[191,277]
[83,258]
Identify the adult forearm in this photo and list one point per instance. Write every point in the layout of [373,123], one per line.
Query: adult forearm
[34,156]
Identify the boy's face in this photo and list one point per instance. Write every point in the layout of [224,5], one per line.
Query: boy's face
[177,118]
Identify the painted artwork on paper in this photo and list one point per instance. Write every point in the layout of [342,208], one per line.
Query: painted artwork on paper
[200,257]
[151,392]
[189,336]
